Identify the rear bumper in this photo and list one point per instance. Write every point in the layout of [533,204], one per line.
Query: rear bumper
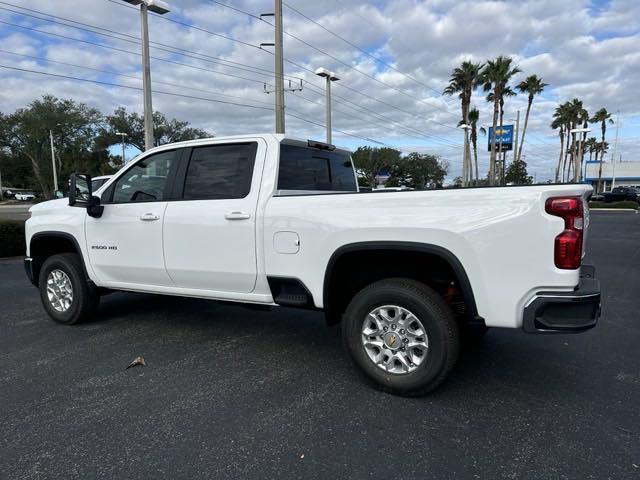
[566,312]
[28,267]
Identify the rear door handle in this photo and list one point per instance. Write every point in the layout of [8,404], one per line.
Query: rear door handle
[237,216]
[149,217]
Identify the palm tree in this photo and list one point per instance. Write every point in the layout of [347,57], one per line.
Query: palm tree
[532,85]
[474,117]
[591,146]
[495,77]
[601,117]
[464,80]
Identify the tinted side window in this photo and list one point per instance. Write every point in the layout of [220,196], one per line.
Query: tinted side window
[220,172]
[303,168]
[146,181]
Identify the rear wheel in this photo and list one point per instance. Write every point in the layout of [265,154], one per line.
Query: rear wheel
[66,293]
[402,336]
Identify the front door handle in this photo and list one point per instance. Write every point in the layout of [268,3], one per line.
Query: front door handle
[149,217]
[237,216]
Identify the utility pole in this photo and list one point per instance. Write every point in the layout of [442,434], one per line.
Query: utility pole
[146,79]
[159,7]
[615,150]
[330,77]
[53,162]
[279,56]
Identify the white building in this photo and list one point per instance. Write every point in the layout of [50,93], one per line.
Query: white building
[617,174]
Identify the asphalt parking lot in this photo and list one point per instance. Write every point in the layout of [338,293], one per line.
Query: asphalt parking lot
[230,392]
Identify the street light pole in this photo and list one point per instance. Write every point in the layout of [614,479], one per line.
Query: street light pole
[146,80]
[279,58]
[53,163]
[330,77]
[159,7]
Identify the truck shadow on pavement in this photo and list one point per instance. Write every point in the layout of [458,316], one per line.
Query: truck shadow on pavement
[510,360]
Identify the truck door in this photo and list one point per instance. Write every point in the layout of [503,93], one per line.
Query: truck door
[210,234]
[125,244]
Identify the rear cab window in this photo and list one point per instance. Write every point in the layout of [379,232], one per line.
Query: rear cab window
[306,170]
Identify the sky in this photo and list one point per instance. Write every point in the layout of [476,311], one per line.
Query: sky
[393,59]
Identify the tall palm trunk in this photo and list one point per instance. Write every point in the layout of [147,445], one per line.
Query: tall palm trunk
[524,130]
[466,105]
[492,160]
[504,154]
[580,159]
[474,142]
[604,131]
[561,152]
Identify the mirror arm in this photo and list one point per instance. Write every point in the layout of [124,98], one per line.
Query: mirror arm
[94,209]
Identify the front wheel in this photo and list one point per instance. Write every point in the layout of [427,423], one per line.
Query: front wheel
[66,294]
[402,336]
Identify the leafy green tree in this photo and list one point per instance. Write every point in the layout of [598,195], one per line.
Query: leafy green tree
[25,134]
[517,173]
[132,124]
[419,171]
[370,161]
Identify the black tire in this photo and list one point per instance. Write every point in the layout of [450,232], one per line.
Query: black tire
[85,295]
[436,318]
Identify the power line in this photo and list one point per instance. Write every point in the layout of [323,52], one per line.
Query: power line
[348,66]
[136,40]
[182,64]
[137,78]
[376,58]
[192,97]
[109,47]
[167,19]
[111,84]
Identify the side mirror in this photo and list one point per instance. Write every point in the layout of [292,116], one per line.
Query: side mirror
[79,189]
[81,194]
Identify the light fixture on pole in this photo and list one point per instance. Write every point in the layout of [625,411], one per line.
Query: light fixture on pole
[577,166]
[161,8]
[330,77]
[123,136]
[466,167]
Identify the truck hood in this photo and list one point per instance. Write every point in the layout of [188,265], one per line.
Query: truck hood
[56,204]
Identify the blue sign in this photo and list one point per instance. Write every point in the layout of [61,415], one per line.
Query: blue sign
[504,136]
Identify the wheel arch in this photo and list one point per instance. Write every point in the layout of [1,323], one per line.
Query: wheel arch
[334,308]
[43,245]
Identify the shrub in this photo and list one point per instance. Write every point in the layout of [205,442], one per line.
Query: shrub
[12,243]
[626,204]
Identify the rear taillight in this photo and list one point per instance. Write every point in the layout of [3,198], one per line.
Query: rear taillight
[568,245]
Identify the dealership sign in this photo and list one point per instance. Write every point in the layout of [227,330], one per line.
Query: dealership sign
[504,136]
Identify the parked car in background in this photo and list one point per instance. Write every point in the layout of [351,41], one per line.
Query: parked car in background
[97,182]
[620,194]
[25,196]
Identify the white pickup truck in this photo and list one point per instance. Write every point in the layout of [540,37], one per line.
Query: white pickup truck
[269,220]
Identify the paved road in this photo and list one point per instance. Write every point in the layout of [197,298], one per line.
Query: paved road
[14,211]
[235,393]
